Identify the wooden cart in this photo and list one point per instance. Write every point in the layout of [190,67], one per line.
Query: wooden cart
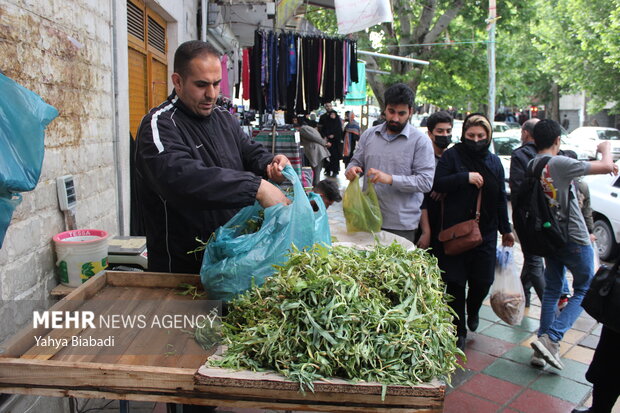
[171,376]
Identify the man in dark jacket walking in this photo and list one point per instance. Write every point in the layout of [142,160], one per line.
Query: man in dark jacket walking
[532,273]
[195,167]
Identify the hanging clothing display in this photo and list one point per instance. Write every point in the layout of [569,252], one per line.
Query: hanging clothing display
[357,90]
[297,73]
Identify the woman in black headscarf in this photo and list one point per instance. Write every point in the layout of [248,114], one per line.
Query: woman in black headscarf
[461,173]
[332,131]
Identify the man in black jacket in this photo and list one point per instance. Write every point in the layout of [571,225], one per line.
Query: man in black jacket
[532,273]
[195,166]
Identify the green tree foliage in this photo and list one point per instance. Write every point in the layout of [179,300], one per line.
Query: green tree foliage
[580,41]
[539,44]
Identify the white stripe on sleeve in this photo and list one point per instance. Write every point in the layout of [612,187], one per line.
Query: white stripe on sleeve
[156,139]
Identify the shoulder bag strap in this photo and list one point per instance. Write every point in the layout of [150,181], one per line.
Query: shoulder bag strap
[478,201]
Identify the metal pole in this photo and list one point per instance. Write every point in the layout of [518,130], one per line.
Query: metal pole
[491,58]
[393,57]
[204,4]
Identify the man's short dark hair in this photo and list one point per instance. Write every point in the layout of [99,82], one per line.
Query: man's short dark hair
[329,188]
[438,117]
[190,50]
[545,133]
[398,94]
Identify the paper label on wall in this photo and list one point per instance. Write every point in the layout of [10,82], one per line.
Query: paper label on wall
[356,15]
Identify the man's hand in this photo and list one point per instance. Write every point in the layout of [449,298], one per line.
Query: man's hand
[604,146]
[593,239]
[508,240]
[352,172]
[375,175]
[425,240]
[476,179]
[269,195]
[274,169]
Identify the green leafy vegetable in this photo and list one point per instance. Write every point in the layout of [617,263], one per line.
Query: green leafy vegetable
[377,315]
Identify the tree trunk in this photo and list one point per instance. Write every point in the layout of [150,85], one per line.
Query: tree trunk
[554,104]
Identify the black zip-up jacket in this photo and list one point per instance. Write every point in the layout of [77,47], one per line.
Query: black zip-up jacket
[518,166]
[193,174]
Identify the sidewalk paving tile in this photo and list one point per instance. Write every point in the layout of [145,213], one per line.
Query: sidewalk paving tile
[458,378]
[519,354]
[590,341]
[488,345]
[531,401]
[477,360]
[574,370]
[484,324]
[529,324]
[584,324]
[461,402]
[507,333]
[581,354]
[573,336]
[561,387]
[491,388]
[487,313]
[513,372]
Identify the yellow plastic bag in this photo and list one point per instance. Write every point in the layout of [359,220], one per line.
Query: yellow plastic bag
[361,209]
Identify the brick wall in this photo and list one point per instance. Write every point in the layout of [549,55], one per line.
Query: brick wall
[62,51]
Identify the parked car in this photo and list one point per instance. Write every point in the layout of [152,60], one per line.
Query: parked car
[605,201]
[503,147]
[588,138]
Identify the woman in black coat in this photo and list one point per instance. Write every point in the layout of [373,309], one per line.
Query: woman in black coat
[461,173]
[332,131]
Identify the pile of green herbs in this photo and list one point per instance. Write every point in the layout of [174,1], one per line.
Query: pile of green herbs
[375,316]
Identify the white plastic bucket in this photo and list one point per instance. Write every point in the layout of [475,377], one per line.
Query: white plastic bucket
[81,254]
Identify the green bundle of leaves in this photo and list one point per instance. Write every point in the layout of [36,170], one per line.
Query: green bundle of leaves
[376,315]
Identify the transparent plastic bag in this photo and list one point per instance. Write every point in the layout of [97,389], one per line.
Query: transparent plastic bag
[238,256]
[507,296]
[597,260]
[361,208]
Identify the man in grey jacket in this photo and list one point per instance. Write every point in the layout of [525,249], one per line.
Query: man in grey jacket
[315,147]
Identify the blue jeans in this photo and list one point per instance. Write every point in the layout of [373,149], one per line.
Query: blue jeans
[579,260]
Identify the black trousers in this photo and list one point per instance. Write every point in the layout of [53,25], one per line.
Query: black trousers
[533,275]
[603,372]
[475,296]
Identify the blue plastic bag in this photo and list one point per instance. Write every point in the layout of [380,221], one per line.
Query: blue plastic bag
[234,260]
[23,118]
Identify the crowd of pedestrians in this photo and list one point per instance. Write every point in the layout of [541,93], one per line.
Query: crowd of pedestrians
[424,187]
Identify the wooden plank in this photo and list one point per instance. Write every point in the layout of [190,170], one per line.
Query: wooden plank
[151,279]
[54,340]
[270,380]
[79,375]
[21,342]
[61,291]
[210,400]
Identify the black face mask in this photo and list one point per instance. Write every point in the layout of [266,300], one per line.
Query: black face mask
[442,142]
[476,146]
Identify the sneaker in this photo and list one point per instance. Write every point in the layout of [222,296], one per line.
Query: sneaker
[549,350]
[563,302]
[537,359]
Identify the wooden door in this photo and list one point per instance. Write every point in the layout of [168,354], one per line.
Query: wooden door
[148,69]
